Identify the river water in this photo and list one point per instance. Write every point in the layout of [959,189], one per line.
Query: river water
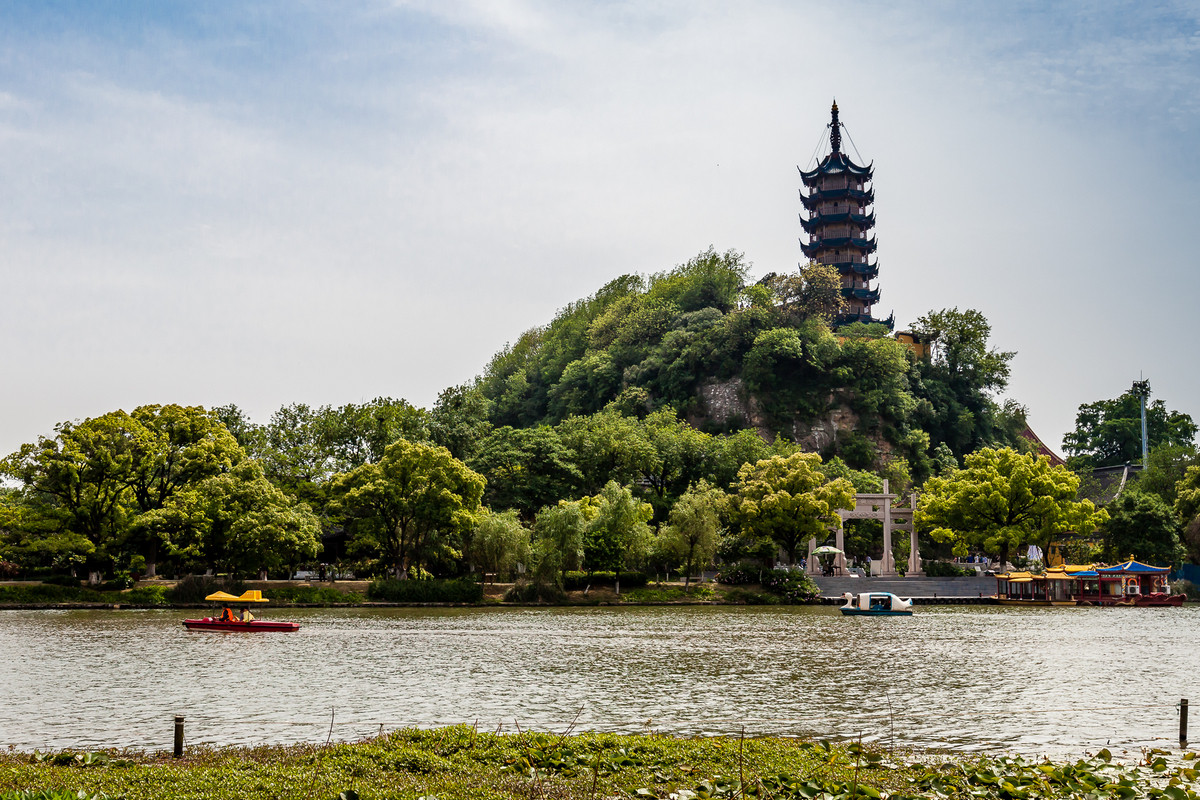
[1054,681]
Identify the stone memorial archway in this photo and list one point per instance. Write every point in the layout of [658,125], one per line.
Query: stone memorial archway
[895,517]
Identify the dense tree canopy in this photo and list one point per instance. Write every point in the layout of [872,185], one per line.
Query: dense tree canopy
[1002,500]
[625,418]
[1143,527]
[1109,432]
[788,500]
[411,506]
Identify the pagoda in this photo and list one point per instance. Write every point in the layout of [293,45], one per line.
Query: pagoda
[838,223]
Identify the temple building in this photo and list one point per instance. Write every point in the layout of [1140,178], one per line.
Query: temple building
[840,216]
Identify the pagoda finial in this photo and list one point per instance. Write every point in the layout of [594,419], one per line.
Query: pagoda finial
[835,130]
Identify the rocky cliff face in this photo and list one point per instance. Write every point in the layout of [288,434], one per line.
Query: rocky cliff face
[729,403]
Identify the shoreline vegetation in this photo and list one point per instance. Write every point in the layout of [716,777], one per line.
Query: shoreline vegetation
[461,761]
[580,590]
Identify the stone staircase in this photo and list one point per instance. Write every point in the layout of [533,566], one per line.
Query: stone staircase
[923,590]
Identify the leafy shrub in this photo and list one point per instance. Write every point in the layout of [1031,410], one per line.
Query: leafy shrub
[1186,587]
[51,794]
[791,586]
[741,574]
[194,588]
[574,581]
[740,595]
[944,569]
[313,594]
[61,580]
[435,591]
[8,570]
[522,592]
[122,580]
[43,593]
[670,594]
[153,596]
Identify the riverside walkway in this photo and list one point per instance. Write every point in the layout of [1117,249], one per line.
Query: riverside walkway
[924,591]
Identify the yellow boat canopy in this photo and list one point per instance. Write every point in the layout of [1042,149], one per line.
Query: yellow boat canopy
[249,596]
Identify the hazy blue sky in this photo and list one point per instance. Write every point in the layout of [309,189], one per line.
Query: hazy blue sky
[276,202]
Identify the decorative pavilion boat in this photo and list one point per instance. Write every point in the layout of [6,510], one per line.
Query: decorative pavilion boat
[239,620]
[1129,584]
[875,604]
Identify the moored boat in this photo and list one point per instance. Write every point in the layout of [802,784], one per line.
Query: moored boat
[240,619]
[875,604]
[1131,583]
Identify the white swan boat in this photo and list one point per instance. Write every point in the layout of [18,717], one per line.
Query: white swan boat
[875,604]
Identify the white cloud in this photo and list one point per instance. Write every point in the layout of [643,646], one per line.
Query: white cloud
[352,203]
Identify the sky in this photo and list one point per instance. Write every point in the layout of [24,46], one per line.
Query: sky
[292,201]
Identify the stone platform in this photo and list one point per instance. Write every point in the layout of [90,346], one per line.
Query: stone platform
[924,591]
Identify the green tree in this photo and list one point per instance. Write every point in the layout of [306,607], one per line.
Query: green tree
[526,469]
[730,451]
[416,499]
[813,292]
[79,480]
[618,537]
[558,539]
[695,528]
[184,446]
[680,452]
[499,542]
[1166,466]
[954,385]
[357,434]
[788,499]
[1187,506]
[251,437]
[1143,527]
[33,539]
[1002,500]
[237,520]
[607,447]
[459,420]
[1109,432]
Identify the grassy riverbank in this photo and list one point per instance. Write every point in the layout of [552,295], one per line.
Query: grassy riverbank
[159,594]
[461,762]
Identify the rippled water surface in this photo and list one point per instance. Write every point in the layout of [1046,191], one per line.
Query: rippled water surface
[1034,680]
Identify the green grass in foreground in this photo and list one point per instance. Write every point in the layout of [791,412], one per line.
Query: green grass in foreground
[459,762]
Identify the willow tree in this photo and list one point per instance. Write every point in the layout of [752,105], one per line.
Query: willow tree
[1002,500]
[695,528]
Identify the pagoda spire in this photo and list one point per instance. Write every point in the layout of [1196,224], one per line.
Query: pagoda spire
[838,199]
[835,130]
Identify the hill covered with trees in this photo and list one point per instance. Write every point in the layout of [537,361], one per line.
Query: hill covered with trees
[660,421]
[728,355]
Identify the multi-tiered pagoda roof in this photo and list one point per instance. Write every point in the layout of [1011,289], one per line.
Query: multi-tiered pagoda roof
[839,222]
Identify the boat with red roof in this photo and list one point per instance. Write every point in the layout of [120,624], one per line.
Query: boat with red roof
[1130,583]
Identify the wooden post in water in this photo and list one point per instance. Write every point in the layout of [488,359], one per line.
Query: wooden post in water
[1183,704]
[178,736]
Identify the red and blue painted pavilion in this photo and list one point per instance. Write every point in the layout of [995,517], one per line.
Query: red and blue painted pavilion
[840,218]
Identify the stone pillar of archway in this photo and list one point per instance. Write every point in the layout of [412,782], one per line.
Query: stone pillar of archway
[839,560]
[812,567]
[888,568]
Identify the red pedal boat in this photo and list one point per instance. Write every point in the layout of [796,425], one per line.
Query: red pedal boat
[239,620]
[209,623]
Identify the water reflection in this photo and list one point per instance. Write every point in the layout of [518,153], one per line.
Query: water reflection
[1039,680]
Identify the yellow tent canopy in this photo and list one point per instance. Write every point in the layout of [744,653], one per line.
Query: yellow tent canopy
[249,596]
